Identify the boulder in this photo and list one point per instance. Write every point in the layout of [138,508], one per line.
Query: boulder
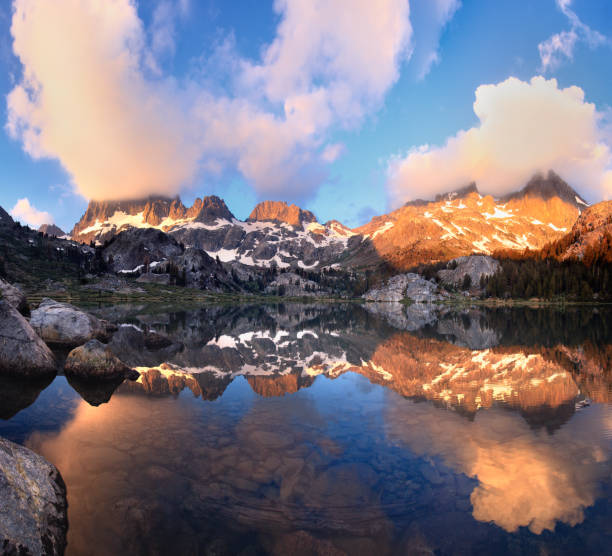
[33,512]
[405,286]
[474,266]
[14,296]
[95,360]
[22,352]
[64,325]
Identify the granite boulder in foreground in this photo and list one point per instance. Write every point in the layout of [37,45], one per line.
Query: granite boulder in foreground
[22,352]
[63,324]
[96,361]
[33,506]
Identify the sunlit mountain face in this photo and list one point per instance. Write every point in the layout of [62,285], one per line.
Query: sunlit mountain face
[335,429]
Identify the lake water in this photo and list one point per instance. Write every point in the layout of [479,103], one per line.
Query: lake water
[336,429]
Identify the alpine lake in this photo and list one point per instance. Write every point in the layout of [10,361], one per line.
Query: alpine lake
[335,429]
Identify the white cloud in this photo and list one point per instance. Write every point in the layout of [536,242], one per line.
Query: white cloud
[84,99]
[429,17]
[524,127]
[561,45]
[94,94]
[30,215]
[339,56]
[332,152]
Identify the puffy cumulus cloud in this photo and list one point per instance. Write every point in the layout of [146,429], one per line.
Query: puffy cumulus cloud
[94,95]
[561,45]
[85,100]
[30,215]
[429,17]
[336,57]
[526,478]
[524,128]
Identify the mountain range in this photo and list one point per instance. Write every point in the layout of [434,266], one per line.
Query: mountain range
[206,246]
[281,235]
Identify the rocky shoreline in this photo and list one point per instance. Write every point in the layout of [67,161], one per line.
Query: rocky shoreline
[33,512]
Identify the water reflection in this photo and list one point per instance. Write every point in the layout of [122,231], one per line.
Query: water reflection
[17,394]
[525,477]
[340,430]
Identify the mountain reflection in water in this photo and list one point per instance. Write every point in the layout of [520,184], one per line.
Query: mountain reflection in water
[337,429]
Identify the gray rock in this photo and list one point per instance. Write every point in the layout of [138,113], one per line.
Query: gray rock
[63,324]
[22,352]
[473,265]
[411,286]
[14,296]
[152,278]
[293,285]
[132,249]
[33,512]
[95,360]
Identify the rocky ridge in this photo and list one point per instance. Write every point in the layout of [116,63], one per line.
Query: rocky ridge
[590,236]
[276,234]
[465,222]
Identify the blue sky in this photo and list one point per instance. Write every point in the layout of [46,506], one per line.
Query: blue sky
[212,60]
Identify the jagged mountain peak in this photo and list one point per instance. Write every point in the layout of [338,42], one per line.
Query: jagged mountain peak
[209,209]
[279,211]
[547,187]
[460,193]
[52,230]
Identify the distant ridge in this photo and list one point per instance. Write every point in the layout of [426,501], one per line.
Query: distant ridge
[454,224]
[51,230]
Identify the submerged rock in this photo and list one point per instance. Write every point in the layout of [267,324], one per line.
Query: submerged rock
[63,324]
[95,360]
[33,511]
[22,352]
[14,296]
[405,286]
